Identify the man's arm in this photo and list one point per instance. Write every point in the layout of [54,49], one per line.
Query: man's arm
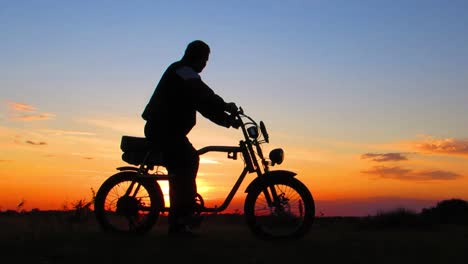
[209,104]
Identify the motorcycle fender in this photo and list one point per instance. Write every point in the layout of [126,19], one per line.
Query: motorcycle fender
[269,176]
[127,168]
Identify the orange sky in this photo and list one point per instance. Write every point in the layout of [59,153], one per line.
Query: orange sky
[50,169]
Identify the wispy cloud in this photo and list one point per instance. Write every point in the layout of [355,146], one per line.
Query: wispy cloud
[36,143]
[21,107]
[1,160]
[126,125]
[438,175]
[34,117]
[387,172]
[378,157]
[83,156]
[26,112]
[399,173]
[58,132]
[450,146]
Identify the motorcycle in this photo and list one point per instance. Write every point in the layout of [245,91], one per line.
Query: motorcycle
[277,204]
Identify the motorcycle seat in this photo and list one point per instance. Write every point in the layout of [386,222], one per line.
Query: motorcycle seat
[139,150]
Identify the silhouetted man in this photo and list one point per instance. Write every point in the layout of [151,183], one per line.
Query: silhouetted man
[170,115]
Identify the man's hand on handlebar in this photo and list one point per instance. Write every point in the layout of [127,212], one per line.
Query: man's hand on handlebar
[231,108]
[235,122]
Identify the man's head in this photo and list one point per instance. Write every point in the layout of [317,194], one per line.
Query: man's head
[196,55]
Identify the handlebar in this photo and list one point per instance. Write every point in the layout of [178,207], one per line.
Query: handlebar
[237,119]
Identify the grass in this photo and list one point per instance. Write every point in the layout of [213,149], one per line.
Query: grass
[52,238]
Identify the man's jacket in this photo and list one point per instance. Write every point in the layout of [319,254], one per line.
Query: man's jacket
[178,96]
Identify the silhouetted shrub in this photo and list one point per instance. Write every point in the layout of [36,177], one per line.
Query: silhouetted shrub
[397,218]
[453,211]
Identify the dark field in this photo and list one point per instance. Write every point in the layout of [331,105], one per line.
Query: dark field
[52,238]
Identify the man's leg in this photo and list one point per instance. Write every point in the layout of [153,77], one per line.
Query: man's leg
[183,164]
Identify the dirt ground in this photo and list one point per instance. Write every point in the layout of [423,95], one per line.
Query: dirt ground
[222,239]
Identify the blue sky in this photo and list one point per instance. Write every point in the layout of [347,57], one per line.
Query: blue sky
[346,63]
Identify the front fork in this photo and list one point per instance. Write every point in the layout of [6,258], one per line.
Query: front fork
[272,197]
[130,188]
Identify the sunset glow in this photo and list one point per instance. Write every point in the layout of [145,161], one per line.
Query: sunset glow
[367,99]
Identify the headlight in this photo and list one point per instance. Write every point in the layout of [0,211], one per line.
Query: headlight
[253,132]
[276,156]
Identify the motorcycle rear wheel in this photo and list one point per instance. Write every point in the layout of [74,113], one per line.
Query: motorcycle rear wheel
[132,213]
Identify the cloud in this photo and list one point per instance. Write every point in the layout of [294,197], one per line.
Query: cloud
[448,146]
[26,112]
[5,160]
[58,132]
[83,156]
[41,143]
[34,117]
[399,173]
[387,172]
[384,157]
[438,175]
[126,125]
[21,107]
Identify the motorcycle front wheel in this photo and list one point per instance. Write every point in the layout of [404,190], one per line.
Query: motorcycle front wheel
[281,208]
[127,203]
